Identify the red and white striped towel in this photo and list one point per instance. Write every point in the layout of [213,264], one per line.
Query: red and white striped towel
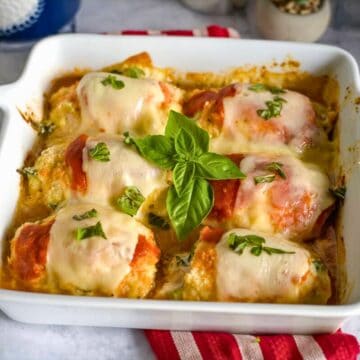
[186,345]
[177,345]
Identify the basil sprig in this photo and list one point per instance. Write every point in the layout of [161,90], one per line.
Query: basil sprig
[256,243]
[339,192]
[90,231]
[273,108]
[133,72]
[275,168]
[100,152]
[113,82]
[184,150]
[262,87]
[27,171]
[86,215]
[130,201]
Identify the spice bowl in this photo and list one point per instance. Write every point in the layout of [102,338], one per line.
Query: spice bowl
[277,24]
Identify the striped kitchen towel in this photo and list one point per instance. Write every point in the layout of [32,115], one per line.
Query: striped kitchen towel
[186,345]
[177,345]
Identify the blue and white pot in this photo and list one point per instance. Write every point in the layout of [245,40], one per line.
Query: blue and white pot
[27,20]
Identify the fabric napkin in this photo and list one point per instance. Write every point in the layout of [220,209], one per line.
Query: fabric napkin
[186,345]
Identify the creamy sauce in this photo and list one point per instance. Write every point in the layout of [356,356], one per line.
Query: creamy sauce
[106,180]
[261,277]
[139,107]
[95,263]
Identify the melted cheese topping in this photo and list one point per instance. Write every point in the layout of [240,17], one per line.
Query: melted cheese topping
[289,206]
[141,106]
[267,277]
[106,180]
[95,263]
[244,130]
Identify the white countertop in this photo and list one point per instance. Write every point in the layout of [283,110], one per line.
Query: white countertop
[36,342]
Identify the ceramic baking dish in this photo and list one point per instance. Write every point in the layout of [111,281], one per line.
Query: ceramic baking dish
[59,53]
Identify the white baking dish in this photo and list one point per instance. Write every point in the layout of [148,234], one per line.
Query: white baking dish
[60,53]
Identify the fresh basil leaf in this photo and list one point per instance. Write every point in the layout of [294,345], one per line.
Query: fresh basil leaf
[46,128]
[273,108]
[319,265]
[158,149]
[133,72]
[113,82]
[262,87]
[187,211]
[183,174]
[276,168]
[185,145]
[256,250]
[270,251]
[339,192]
[158,221]
[213,166]
[86,215]
[238,243]
[264,179]
[27,171]
[100,152]
[90,231]
[177,121]
[130,201]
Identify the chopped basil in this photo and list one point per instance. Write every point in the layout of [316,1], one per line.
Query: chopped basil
[90,231]
[276,168]
[46,128]
[86,215]
[339,192]
[113,82]
[273,108]
[264,179]
[100,152]
[158,221]
[28,171]
[130,201]
[184,149]
[133,72]
[262,87]
[319,265]
[256,243]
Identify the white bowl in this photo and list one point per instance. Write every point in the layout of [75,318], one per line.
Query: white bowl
[279,25]
[56,54]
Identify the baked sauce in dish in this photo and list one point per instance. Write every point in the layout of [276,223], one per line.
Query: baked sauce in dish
[146,182]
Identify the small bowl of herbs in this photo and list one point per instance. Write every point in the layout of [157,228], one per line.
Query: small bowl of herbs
[293,20]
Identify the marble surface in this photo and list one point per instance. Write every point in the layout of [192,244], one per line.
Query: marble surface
[35,342]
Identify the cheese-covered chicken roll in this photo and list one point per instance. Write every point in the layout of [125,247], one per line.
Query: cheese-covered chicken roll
[280,194]
[86,248]
[114,103]
[96,169]
[254,117]
[251,266]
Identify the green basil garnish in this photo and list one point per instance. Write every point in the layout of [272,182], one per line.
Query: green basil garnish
[158,221]
[113,82]
[90,231]
[86,215]
[27,171]
[100,152]
[339,192]
[319,265]
[273,108]
[184,149]
[262,87]
[256,243]
[130,201]
[264,179]
[133,72]
[276,168]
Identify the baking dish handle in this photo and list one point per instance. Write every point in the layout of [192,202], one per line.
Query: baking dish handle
[4,109]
